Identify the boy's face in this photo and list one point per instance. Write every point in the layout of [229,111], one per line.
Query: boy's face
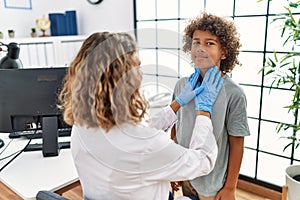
[206,50]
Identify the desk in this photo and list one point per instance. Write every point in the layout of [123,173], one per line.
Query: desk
[30,172]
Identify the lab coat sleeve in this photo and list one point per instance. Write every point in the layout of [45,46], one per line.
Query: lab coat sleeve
[196,161]
[164,120]
[204,140]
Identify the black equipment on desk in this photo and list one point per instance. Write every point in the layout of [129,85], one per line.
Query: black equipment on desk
[11,60]
[50,140]
[28,96]
[36,134]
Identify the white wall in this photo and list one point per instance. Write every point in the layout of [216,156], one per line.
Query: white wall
[110,15]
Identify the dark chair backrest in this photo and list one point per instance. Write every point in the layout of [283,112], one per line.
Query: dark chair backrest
[48,195]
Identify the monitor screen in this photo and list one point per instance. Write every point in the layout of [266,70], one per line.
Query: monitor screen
[26,95]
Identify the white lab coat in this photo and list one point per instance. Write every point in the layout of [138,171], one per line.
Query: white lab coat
[137,162]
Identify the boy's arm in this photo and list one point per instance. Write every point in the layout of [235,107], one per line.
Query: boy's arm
[236,151]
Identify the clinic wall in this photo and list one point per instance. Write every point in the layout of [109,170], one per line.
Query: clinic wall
[110,15]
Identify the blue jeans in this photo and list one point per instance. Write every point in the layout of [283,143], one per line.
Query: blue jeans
[171,197]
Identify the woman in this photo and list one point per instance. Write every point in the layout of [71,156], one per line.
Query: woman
[117,153]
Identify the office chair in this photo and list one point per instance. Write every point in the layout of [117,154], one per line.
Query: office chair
[48,195]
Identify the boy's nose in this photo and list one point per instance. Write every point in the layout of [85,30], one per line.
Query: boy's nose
[200,48]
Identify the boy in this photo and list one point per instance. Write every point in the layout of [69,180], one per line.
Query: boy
[212,40]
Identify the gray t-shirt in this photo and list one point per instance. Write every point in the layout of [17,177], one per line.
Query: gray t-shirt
[229,117]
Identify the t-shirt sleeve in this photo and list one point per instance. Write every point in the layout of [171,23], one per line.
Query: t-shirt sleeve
[237,119]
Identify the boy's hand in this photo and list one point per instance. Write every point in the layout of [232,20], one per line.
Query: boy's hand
[176,185]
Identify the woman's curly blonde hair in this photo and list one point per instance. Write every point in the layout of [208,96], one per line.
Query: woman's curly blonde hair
[224,29]
[101,88]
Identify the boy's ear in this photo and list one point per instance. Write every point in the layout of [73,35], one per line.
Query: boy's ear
[224,54]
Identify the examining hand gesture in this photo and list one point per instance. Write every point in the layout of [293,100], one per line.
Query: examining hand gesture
[190,90]
[210,87]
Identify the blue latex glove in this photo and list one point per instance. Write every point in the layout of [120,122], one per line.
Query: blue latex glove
[211,86]
[191,89]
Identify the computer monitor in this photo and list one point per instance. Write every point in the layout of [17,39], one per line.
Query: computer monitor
[26,95]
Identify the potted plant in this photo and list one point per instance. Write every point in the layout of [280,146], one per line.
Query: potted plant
[33,32]
[285,72]
[11,33]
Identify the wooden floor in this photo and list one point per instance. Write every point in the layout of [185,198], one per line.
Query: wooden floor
[76,194]
[240,195]
[243,195]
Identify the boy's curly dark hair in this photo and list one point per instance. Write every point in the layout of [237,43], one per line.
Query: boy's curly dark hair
[224,29]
